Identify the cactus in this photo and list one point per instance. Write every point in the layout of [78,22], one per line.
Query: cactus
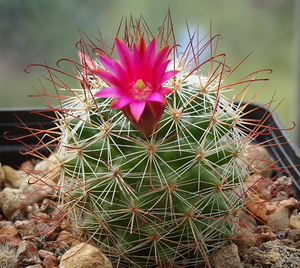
[150,151]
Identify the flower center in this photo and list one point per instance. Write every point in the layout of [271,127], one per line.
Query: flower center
[140,90]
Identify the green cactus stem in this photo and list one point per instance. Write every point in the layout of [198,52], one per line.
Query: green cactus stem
[151,152]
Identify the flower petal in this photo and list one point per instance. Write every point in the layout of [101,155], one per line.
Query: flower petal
[165,90]
[115,68]
[121,102]
[108,92]
[86,60]
[107,77]
[149,55]
[137,108]
[125,56]
[166,76]
[161,56]
[156,97]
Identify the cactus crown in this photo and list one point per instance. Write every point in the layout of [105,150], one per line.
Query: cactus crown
[151,153]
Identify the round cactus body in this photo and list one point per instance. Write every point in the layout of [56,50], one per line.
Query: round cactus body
[152,154]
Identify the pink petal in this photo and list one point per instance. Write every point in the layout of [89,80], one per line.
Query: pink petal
[140,48]
[155,96]
[109,92]
[137,64]
[158,74]
[121,102]
[137,108]
[143,62]
[107,77]
[161,56]
[124,55]
[164,91]
[86,60]
[115,68]
[166,76]
[150,53]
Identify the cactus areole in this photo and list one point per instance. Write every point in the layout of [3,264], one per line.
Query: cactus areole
[151,153]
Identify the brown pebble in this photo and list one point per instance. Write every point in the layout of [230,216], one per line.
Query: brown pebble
[49,260]
[288,203]
[279,219]
[259,159]
[264,237]
[36,189]
[272,254]
[67,238]
[258,207]
[245,238]
[10,199]
[27,166]
[27,252]
[41,219]
[227,257]
[26,227]
[294,235]
[10,236]
[294,222]
[84,255]
[2,174]
[51,232]
[13,178]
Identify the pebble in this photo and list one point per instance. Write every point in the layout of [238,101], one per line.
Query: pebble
[264,237]
[47,164]
[257,206]
[13,178]
[51,163]
[294,222]
[26,227]
[227,257]
[36,189]
[288,203]
[10,199]
[294,235]
[282,184]
[10,236]
[2,174]
[42,219]
[27,253]
[27,166]
[13,199]
[258,185]
[47,206]
[84,255]
[245,238]
[272,254]
[260,159]
[49,260]
[51,231]
[279,219]
[67,238]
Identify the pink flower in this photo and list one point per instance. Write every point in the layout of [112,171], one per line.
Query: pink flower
[87,64]
[136,82]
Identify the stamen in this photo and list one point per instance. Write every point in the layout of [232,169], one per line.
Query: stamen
[139,84]
[140,90]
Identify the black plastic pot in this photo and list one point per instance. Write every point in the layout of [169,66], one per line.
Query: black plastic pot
[284,150]
[12,152]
